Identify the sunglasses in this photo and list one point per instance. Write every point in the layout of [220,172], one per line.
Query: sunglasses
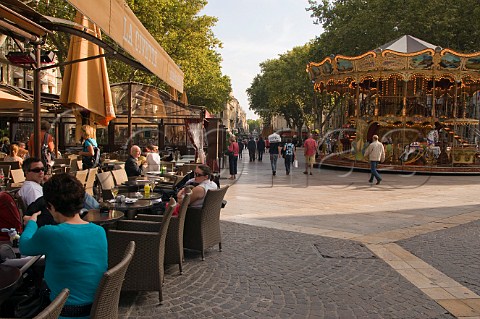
[37,170]
[198,174]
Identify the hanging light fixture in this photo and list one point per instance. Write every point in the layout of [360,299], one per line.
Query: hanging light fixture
[22,58]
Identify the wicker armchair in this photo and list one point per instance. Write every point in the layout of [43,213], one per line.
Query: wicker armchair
[146,271]
[52,311]
[105,304]
[202,225]
[174,241]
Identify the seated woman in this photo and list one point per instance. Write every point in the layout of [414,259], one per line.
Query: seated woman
[202,184]
[75,251]
[13,155]
[153,158]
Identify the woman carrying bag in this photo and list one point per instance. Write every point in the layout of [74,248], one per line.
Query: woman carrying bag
[233,150]
[89,145]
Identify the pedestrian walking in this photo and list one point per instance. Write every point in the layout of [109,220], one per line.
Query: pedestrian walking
[289,151]
[240,148]
[375,154]
[252,148]
[274,150]
[233,150]
[310,150]
[260,148]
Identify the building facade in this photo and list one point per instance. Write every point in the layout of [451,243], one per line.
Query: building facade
[234,117]
[19,77]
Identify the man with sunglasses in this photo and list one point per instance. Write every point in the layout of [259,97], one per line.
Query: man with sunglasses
[34,177]
[202,184]
[31,192]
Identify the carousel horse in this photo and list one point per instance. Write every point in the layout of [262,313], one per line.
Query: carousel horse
[432,137]
[412,152]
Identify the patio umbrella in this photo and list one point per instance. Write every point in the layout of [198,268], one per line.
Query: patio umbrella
[9,101]
[85,84]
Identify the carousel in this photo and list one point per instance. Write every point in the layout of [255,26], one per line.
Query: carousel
[422,101]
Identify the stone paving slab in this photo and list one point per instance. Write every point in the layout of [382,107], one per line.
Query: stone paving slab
[453,251]
[276,229]
[270,273]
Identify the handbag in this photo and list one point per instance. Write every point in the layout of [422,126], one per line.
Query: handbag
[295,163]
[32,304]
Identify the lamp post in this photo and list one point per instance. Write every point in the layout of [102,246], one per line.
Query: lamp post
[36,100]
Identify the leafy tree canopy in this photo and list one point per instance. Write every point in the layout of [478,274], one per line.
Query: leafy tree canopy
[353,27]
[184,34]
[283,88]
[254,125]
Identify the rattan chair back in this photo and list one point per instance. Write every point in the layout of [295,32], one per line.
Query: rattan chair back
[146,270]
[202,225]
[105,304]
[174,241]
[54,309]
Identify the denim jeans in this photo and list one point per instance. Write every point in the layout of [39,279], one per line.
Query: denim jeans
[288,163]
[373,170]
[89,202]
[273,161]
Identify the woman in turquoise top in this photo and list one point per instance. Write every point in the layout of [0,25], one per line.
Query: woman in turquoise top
[75,251]
[89,145]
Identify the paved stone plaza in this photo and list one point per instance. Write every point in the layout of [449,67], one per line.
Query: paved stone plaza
[331,246]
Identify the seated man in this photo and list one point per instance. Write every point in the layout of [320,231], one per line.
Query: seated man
[132,167]
[202,184]
[31,192]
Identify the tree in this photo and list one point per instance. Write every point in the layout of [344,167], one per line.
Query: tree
[186,36]
[353,27]
[283,88]
[254,125]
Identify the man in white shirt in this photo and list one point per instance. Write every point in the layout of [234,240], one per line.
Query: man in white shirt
[32,189]
[375,154]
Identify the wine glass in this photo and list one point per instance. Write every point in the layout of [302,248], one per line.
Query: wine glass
[152,185]
[114,191]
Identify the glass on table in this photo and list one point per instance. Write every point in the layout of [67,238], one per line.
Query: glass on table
[114,191]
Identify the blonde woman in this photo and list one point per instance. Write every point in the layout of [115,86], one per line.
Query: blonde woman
[13,155]
[89,143]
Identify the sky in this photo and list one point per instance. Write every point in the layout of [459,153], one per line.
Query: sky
[253,31]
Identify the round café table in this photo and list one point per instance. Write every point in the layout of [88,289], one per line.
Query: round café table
[9,278]
[109,165]
[94,216]
[131,209]
[136,183]
[142,196]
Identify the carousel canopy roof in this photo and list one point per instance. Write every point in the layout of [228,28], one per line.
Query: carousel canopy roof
[407,44]
[404,57]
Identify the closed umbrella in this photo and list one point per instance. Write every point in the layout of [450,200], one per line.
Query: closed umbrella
[85,84]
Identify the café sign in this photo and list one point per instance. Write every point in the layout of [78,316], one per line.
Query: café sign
[117,20]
